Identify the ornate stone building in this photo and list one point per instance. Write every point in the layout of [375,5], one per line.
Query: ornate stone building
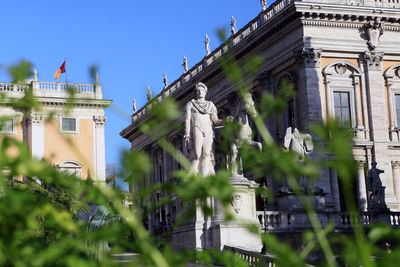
[71,138]
[343,59]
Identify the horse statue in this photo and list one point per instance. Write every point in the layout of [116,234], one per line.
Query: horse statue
[242,112]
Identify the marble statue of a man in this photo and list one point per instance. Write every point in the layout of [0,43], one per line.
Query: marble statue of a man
[201,116]
[375,185]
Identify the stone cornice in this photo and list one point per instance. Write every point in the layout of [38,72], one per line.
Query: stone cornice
[345,24]
[85,103]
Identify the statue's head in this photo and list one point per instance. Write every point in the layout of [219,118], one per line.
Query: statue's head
[373,164]
[201,88]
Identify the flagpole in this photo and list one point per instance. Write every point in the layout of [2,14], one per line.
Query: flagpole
[65,68]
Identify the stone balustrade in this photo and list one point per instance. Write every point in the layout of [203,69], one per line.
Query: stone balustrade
[290,221]
[53,89]
[368,3]
[252,257]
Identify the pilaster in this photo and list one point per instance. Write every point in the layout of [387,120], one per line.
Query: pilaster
[99,148]
[361,186]
[309,60]
[36,135]
[396,178]
[378,118]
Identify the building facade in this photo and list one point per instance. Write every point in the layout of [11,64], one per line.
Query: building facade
[68,130]
[343,59]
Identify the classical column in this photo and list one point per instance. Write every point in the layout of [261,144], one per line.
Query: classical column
[99,149]
[357,96]
[361,186]
[379,119]
[36,135]
[396,178]
[377,95]
[392,113]
[309,60]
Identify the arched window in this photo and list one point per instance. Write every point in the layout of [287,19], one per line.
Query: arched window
[71,166]
[343,97]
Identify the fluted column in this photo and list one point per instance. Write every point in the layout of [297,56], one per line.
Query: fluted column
[396,178]
[361,186]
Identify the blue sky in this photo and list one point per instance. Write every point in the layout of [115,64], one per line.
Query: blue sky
[132,42]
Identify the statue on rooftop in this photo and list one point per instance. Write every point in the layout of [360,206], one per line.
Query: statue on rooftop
[243,110]
[185,64]
[165,80]
[207,44]
[97,78]
[263,4]
[35,75]
[134,105]
[200,117]
[233,25]
[149,95]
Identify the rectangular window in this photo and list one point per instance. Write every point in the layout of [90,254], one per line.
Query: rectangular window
[397,103]
[68,125]
[342,108]
[7,126]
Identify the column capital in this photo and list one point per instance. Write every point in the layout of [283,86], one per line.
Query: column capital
[374,60]
[34,118]
[396,163]
[361,163]
[310,57]
[99,120]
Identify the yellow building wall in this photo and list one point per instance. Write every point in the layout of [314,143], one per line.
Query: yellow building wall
[19,135]
[59,147]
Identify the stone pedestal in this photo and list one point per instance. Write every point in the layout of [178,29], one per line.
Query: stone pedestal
[191,236]
[243,207]
[216,232]
[195,234]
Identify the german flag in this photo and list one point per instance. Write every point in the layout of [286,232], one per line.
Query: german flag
[59,71]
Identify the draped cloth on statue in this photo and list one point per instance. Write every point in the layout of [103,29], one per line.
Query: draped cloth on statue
[202,132]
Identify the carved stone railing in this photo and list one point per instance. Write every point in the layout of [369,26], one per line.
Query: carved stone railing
[53,89]
[298,221]
[12,90]
[370,3]
[385,3]
[253,258]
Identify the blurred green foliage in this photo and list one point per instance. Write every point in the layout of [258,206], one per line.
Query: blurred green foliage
[40,206]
